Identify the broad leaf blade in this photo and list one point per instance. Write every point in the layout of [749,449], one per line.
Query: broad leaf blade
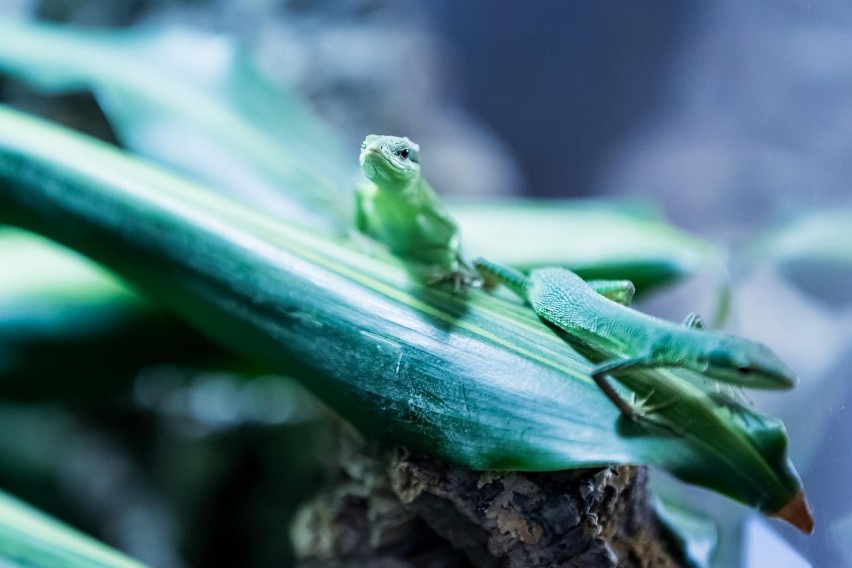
[694,535]
[62,315]
[596,239]
[224,123]
[478,380]
[813,252]
[34,289]
[218,120]
[30,538]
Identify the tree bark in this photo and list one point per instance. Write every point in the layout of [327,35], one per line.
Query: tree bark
[392,508]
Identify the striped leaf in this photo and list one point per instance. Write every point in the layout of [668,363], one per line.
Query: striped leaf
[477,380]
[260,144]
[30,538]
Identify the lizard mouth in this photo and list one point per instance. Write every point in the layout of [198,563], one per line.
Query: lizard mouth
[374,172]
[368,163]
[371,159]
[371,154]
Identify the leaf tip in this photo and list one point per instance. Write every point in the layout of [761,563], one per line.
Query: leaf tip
[797,513]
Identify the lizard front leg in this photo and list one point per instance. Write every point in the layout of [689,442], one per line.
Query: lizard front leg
[456,271]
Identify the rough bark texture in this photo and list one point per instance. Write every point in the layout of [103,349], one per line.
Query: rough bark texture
[392,508]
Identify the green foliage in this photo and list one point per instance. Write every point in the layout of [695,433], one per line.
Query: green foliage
[477,380]
[29,538]
[163,103]
[595,239]
[696,536]
[813,253]
[60,311]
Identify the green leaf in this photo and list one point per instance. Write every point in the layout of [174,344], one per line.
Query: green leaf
[695,536]
[62,315]
[477,380]
[162,103]
[29,538]
[596,239]
[220,120]
[34,289]
[813,252]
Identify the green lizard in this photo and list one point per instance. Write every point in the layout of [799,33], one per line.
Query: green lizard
[633,340]
[399,209]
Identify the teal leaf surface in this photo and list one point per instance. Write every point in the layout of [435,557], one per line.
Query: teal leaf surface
[477,380]
[29,538]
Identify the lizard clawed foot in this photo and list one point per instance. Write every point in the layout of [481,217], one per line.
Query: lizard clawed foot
[641,407]
[460,279]
[642,412]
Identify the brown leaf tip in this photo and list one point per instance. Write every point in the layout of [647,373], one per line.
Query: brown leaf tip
[797,513]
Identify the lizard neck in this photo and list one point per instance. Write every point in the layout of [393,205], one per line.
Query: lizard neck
[398,190]
[688,348]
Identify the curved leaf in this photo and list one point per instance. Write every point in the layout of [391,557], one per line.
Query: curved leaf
[34,289]
[31,538]
[479,380]
[218,120]
[596,239]
[813,252]
[163,104]
[61,314]
[695,536]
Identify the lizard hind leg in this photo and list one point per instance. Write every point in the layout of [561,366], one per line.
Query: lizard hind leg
[642,407]
[694,320]
[620,291]
[599,376]
[470,273]
[639,411]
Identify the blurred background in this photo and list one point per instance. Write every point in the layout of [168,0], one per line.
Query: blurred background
[734,119]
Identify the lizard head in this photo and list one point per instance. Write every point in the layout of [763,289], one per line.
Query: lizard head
[390,159]
[740,361]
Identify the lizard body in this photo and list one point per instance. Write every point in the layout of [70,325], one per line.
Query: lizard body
[633,340]
[397,207]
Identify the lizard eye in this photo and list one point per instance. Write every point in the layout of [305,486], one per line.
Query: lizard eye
[744,370]
[404,153]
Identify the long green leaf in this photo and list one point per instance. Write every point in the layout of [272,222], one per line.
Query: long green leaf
[246,129]
[29,538]
[477,380]
[62,315]
[596,239]
[813,252]
[220,121]
[161,106]
[694,535]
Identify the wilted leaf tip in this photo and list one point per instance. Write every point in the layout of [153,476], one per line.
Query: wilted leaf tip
[797,513]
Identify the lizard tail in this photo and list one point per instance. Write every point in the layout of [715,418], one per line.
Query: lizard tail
[511,278]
